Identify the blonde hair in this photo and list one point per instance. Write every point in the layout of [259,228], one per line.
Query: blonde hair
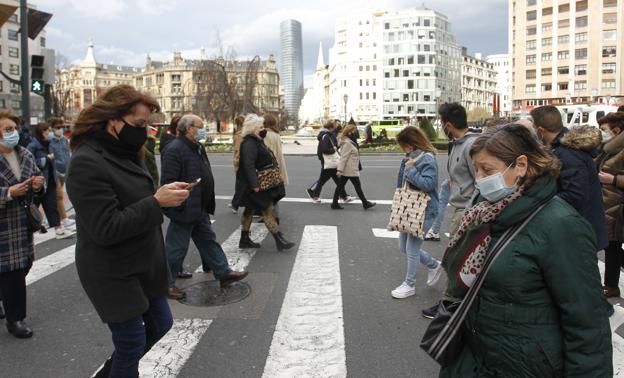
[348,130]
[251,123]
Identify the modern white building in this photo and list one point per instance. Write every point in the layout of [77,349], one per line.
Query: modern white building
[478,83]
[393,65]
[502,66]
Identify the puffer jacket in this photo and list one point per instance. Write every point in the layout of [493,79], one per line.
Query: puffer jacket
[611,160]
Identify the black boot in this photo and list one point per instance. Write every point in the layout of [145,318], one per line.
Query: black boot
[368,204]
[246,242]
[336,206]
[19,329]
[281,243]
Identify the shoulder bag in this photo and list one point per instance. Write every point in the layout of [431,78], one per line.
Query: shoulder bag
[269,176]
[33,216]
[331,161]
[443,340]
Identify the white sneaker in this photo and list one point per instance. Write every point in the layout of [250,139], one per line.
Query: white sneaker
[434,275]
[63,233]
[69,223]
[403,291]
[432,236]
[348,199]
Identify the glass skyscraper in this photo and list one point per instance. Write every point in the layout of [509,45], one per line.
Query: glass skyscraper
[291,67]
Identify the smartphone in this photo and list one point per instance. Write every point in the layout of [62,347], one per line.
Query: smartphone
[193,184]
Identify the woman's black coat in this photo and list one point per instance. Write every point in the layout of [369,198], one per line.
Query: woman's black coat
[255,156]
[120,254]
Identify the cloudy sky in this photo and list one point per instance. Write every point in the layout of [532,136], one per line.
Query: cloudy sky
[124,31]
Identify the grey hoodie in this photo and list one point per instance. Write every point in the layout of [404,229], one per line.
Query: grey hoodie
[461,171]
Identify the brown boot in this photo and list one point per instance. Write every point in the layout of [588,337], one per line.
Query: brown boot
[611,292]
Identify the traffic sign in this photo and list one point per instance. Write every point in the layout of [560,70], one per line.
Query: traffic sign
[37,86]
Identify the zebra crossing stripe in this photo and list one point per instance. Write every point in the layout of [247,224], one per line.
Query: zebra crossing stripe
[45,266]
[383,233]
[168,356]
[309,334]
[618,341]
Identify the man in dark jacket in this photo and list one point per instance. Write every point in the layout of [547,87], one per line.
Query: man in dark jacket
[578,182]
[185,160]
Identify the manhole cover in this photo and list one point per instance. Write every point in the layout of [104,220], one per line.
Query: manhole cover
[209,293]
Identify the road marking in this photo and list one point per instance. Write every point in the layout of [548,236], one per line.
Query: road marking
[39,238]
[308,200]
[447,234]
[168,356]
[238,258]
[618,341]
[309,334]
[44,267]
[383,233]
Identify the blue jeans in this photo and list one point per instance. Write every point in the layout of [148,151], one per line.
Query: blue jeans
[410,245]
[177,242]
[135,337]
[445,193]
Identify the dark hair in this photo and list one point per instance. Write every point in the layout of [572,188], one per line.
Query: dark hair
[414,137]
[330,124]
[621,109]
[613,120]
[270,122]
[113,104]
[39,129]
[547,117]
[455,114]
[173,125]
[510,141]
[239,122]
[55,121]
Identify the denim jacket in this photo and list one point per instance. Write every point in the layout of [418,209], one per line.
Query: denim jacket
[424,176]
[60,148]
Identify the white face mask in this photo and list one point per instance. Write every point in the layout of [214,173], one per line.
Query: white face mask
[493,188]
[58,132]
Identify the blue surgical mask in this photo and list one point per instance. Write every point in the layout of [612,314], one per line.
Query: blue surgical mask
[10,140]
[50,136]
[201,134]
[493,187]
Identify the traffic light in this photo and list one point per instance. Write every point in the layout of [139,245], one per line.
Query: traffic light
[37,86]
[36,66]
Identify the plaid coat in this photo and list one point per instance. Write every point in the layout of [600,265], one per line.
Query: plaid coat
[17,250]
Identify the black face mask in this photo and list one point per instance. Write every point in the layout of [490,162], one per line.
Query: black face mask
[132,137]
[262,133]
[353,137]
[448,134]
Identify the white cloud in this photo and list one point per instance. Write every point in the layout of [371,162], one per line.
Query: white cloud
[157,7]
[103,10]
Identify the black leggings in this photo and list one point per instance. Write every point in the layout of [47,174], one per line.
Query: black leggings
[48,202]
[342,181]
[613,263]
[13,294]
[327,174]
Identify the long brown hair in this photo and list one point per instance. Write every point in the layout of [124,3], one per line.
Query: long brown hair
[348,130]
[270,122]
[113,104]
[414,137]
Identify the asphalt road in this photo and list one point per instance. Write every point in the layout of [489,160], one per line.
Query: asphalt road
[374,335]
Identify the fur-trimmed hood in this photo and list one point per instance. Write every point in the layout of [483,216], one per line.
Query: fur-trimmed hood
[583,138]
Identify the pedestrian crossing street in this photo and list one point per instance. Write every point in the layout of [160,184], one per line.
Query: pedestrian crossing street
[308,338]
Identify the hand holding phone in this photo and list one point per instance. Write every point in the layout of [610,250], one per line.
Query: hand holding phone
[193,184]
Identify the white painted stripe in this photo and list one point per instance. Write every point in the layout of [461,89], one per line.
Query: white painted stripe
[168,356]
[618,341]
[309,335]
[447,234]
[42,238]
[44,267]
[383,233]
[238,259]
[308,200]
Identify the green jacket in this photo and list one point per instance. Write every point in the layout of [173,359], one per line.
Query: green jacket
[540,311]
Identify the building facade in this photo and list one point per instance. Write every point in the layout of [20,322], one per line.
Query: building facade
[291,67]
[566,52]
[502,66]
[478,83]
[393,65]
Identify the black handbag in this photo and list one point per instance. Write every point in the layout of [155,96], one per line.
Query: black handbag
[33,216]
[444,339]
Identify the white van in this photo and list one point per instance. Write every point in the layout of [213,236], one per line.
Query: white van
[575,115]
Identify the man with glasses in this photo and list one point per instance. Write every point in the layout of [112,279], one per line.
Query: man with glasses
[185,160]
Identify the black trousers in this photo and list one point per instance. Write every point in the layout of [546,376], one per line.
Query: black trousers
[342,182]
[13,293]
[326,174]
[613,263]
[48,202]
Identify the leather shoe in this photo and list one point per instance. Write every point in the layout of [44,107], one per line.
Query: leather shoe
[19,329]
[1,311]
[175,293]
[336,206]
[232,277]
[185,274]
[611,292]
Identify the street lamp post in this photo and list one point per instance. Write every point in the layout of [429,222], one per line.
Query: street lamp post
[345,98]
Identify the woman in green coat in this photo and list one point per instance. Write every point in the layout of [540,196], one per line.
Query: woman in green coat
[540,311]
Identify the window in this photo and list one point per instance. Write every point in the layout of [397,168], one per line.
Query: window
[530,74]
[563,70]
[609,35]
[608,68]
[14,69]
[581,5]
[546,27]
[581,69]
[546,57]
[581,22]
[530,59]
[547,71]
[42,42]
[12,35]
[546,87]
[580,85]
[608,52]
[607,19]
[547,11]
[176,77]
[580,53]
[608,84]
[531,2]
[563,55]
[562,86]
[581,37]
[563,39]
[531,31]
[609,3]
[176,87]
[546,41]
[564,23]
[531,15]
[14,52]
[564,8]
[530,88]
[531,45]
[13,18]
[15,88]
